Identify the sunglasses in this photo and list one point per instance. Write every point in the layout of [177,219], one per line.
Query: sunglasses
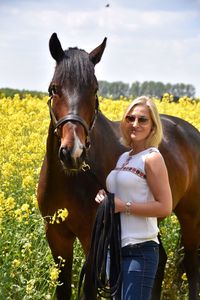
[141,120]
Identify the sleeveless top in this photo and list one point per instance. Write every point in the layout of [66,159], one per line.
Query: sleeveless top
[128,182]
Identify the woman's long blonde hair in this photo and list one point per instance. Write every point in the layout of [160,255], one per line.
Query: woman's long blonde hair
[155,137]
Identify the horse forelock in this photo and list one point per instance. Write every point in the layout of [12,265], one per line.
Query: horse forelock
[75,68]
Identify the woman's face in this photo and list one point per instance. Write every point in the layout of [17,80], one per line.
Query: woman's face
[139,124]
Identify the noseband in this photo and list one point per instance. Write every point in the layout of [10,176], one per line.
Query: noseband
[73,118]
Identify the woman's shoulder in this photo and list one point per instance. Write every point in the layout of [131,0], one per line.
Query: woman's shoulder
[154,158]
[153,150]
[150,152]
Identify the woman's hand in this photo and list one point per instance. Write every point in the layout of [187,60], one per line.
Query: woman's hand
[119,205]
[100,196]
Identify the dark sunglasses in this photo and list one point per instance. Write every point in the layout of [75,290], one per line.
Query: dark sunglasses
[141,120]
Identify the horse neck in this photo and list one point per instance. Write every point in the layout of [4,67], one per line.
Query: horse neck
[105,147]
[52,147]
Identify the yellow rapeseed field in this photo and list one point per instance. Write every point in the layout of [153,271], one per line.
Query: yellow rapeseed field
[27,268]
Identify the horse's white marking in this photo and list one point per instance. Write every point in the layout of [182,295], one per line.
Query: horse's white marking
[78,147]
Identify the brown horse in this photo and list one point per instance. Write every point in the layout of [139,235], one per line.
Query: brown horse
[84,150]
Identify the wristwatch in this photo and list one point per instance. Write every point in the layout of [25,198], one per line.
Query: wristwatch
[128,208]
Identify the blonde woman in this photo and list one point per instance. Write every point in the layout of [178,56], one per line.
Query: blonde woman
[142,194]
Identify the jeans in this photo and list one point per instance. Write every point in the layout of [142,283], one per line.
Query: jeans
[139,266]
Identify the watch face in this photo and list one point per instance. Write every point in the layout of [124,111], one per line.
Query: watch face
[127,208]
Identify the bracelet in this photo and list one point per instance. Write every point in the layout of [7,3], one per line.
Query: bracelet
[128,208]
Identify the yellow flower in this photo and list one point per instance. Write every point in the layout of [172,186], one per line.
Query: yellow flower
[34,201]
[30,286]
[174,219]
[25,207]
[16,263]
[54,273]
[184,277]
[10,203]
[59,215]
[163,230]
[7,169]
[23,212]
[63,214]
[18,215]
[170,254]
[26,249]
[28,181]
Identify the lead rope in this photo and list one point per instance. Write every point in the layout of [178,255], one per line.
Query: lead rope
[106,237]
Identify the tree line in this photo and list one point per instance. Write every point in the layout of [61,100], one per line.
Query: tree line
[149,88]
[117,89]
[9,92]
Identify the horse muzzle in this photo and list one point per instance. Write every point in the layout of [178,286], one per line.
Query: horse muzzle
[71,161]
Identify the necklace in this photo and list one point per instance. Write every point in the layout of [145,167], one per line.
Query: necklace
[127,160]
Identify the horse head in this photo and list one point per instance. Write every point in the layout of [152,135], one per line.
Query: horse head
[73,100]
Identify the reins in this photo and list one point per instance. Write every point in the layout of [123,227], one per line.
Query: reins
[106,238]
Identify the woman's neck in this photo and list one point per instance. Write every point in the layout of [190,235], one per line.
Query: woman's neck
[137,148]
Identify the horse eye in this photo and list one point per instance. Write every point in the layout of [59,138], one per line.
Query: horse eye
[57,132]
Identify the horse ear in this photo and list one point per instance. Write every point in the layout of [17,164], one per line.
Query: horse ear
[96,54]
[56,48]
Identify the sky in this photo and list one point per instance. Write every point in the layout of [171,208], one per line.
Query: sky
[156,40]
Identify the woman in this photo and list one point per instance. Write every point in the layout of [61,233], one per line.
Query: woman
[142,194]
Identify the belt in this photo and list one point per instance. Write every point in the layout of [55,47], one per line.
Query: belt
[128,250]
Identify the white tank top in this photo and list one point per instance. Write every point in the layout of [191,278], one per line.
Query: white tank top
[128,182]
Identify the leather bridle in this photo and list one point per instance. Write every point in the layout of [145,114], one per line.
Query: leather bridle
[73,118]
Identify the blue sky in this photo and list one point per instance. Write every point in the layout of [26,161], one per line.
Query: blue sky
[155,40]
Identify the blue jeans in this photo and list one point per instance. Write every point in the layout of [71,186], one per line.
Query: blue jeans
[139,266]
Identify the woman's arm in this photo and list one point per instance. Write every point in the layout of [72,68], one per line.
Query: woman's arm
[158,181]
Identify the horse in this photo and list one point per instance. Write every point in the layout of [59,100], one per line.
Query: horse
[83,147]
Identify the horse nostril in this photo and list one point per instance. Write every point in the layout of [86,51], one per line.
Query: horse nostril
[64,154]
[68,161]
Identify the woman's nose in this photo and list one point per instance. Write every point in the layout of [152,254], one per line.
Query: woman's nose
[135,123]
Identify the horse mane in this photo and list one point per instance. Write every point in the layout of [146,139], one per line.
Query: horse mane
[75,67]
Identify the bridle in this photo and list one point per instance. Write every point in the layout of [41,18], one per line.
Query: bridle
[72,118]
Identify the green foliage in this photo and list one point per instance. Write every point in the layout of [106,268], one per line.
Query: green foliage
[175,285]
[150,88]
[25,258]
[8,92]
